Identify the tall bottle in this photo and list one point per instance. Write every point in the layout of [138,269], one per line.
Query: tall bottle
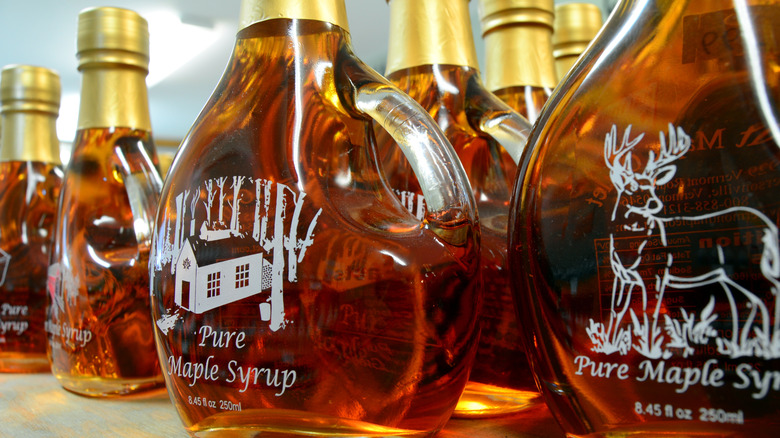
[98,320]
[432,58]
[644,229]
[519,65]
[292,292]
[30,181]
[576,24]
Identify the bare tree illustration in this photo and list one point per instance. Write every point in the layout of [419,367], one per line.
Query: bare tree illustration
[209,202]
[221,184]
[235,204]
[286,249]
[193,205]
[262,204]
[181,210]
[167,247]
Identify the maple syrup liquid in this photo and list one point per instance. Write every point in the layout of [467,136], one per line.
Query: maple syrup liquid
[28,205]
[642,239]
[98,322]
[526,100]
[292,293]
[501,381]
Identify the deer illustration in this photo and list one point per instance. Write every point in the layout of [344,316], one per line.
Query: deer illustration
[754,329]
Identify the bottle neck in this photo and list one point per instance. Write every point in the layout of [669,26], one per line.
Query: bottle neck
[29,136]
[529,48]
[576,24]
[330,11]
[114,96]
[564,63]
[289,51]
[430,32]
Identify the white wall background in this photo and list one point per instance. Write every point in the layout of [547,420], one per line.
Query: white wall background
[43,32]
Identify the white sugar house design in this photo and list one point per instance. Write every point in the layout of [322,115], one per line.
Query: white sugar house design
[213,273]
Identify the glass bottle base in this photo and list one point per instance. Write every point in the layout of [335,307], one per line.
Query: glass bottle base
[676,429]
[285,423]
[479,401]
[103,387]
[24,363]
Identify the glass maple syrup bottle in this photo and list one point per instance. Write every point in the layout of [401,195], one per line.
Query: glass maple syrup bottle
[30,180]
[575,26]
[292,293]
[432,58]
[98,320]
[519,65]
[644,231]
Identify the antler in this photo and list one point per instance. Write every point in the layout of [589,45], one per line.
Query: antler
[619,159]
[679,144]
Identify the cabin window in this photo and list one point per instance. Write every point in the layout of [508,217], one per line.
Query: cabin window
[242,276]
[213,284]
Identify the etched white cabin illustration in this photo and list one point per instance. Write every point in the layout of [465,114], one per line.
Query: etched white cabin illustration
[210,274]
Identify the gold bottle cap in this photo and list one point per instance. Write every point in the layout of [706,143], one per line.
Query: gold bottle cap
[495,13]
[575,26]
[29,88]
[110,35]
[113,54]
[427,32]
[29,103]
[331,11]
[518,47]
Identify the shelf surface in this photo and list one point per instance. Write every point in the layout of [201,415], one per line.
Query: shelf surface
[34,405]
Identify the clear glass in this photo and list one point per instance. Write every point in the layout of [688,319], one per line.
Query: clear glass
[292,293]
[645,223]
[501,381]
[99,323]
[28,205]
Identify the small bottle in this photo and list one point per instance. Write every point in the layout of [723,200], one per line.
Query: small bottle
[644,240]
[432,58]
[292,292]
[576,24]
[30,181]
[519,65]
[98,320]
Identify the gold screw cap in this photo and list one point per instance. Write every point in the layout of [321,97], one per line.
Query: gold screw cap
[29,88]
[331,11]
[495,13]
[108,35]
[575,23]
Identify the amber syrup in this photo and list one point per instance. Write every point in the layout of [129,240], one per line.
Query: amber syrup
[292,293]
[99,323]
[28,205]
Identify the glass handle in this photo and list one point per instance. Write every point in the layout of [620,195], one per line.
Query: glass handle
[504,125]
[441,176]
